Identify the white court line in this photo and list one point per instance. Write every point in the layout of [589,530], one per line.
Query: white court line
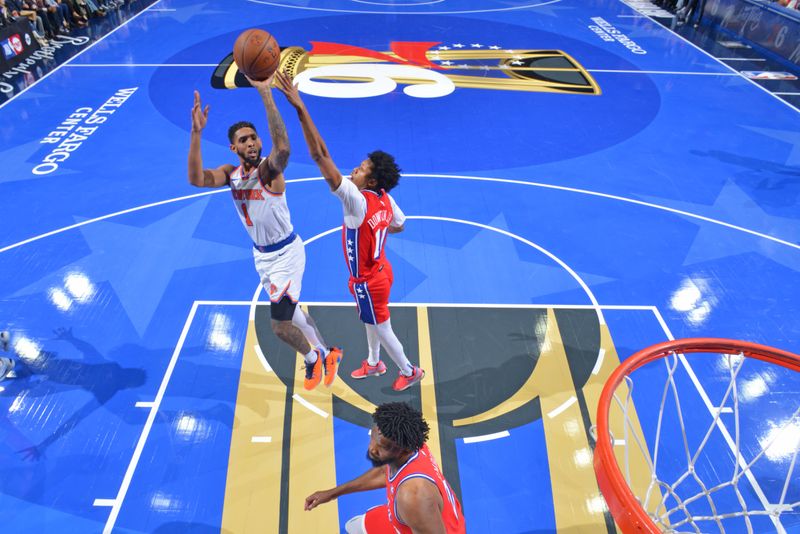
[103,217]
[310,406]
[726,409]
[145,404]
[599,362]
[261,439]
[781,93]
[261,357]
[358,11]
[487,437]
[223,302]
[687,41]
[688,73]
[569,402]
[559,261]
[740,59]
[137,453]
[351,304]
[720,425]
[104,502]
[14,97]
[444,176]
[612,197]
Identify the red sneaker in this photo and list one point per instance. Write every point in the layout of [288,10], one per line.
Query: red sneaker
[332,361]
[369,370]
[403,382]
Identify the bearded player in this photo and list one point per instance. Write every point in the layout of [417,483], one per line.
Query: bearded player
[419,499]
[258,189]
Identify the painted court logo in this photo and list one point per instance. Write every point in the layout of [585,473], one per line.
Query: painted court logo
[424,69]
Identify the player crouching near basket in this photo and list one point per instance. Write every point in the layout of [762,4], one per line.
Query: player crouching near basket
[419,499]
[370,213]
[258,189]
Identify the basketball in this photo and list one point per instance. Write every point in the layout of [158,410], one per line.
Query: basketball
[256,53]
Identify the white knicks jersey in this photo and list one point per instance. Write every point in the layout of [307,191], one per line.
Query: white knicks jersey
[265,215]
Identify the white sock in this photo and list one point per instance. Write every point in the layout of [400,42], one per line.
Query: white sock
[311,357]
[299,319]
[394,347]
[374,344]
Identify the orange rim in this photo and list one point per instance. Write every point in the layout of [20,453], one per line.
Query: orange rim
[627,512]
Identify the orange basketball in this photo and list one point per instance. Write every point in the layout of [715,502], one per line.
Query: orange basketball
[256,53]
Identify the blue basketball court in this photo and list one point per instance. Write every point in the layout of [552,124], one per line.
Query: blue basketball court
[580,182]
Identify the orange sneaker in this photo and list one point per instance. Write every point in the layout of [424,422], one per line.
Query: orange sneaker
[369,370]
[332,361]
[403,382]
[313,373]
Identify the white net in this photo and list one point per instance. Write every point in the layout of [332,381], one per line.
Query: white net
[721,452]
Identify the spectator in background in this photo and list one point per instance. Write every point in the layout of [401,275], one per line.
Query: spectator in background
[5,15]
[22,9]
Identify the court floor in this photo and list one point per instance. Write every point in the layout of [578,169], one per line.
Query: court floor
[580,183]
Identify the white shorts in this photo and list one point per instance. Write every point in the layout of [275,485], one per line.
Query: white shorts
[281,272]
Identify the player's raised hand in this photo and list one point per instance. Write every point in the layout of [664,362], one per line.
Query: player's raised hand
[261,85]
[199,115]
[317,498]
[288,88]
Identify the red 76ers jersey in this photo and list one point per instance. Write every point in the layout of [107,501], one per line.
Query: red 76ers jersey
[363,246]
[422,465]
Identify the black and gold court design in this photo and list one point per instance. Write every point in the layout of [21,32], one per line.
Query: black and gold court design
[489,370]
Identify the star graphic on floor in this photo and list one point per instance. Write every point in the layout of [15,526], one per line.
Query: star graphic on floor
[487,268]
[139,262]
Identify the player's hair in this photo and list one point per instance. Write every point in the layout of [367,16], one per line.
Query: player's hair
[238,126]
[384,170]
[402,424]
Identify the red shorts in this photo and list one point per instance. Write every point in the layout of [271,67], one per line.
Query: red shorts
[376,521]
[372,295]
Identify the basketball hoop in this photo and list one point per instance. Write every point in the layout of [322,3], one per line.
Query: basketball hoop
[679,497]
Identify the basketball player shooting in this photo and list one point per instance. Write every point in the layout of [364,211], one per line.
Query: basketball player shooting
[370,213]
[258,188]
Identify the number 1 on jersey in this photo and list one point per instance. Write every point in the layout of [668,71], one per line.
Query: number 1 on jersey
[380,239]
[246,215]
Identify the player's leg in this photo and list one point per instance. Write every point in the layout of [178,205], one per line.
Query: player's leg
[306,324]
[374,521]
[409,374]
[282,312]
[290,265]
[355,525]
[373,304]
[292,259]
[372,366]
[279,277]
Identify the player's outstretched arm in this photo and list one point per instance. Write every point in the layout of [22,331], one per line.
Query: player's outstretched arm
[272,168]
[198,176]
[375,478]
[419,505]
[316,145]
